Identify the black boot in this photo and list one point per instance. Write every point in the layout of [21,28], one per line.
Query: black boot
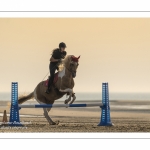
[50,82]
[49,86]
[48,91]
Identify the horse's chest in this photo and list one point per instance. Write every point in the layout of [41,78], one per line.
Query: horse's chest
[61,73]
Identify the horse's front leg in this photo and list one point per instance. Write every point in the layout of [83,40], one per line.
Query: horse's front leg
[70,91]
[73,98]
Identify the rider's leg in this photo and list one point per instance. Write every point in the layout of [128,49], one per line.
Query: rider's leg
[51,78]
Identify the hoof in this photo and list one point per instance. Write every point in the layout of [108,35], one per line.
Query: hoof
[71,102]
[55,123]
[65,102]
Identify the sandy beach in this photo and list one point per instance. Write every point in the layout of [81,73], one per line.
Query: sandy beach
[127,116]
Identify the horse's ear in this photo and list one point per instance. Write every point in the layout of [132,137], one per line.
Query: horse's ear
[79,57]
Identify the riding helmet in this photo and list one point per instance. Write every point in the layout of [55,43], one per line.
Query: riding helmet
[62,44]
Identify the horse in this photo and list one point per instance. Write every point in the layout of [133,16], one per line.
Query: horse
[62,85]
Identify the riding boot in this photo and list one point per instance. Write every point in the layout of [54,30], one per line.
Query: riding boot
[49,87]
[48,90]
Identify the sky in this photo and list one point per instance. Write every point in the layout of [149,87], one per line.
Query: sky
[113,50]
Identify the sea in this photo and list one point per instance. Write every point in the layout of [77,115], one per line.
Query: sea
[6,96]
[144,107]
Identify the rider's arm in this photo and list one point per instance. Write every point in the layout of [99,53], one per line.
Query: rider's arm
[53,59]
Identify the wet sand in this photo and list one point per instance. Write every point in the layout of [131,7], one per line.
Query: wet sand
[127,116]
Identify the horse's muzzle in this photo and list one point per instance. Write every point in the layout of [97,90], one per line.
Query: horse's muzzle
[73,74]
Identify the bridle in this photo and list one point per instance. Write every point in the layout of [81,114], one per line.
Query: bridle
[70,70]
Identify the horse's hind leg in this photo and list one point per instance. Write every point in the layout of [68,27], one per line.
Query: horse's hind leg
[46,110]
[56,122]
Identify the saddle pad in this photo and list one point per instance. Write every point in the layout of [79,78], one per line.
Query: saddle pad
[55,80]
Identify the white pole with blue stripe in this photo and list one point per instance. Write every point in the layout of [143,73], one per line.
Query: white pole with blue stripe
[60,105]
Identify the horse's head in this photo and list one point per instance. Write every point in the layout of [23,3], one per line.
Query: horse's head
[74,63]
[71,63]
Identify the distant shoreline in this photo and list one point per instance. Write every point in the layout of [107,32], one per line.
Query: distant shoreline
[94,96]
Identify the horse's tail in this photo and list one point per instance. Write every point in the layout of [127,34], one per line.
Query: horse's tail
[22,99]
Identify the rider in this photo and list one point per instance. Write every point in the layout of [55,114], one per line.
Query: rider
[55,59]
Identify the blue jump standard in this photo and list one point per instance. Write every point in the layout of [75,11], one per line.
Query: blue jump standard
[105,115]
[14,119]
[105,109]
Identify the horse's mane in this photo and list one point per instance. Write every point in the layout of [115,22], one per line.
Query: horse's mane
[64,62]
[67,58]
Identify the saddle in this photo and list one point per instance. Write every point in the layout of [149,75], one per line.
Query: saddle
[55,79]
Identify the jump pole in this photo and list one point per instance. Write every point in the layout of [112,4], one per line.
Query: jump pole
[14,110]
[59,105]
